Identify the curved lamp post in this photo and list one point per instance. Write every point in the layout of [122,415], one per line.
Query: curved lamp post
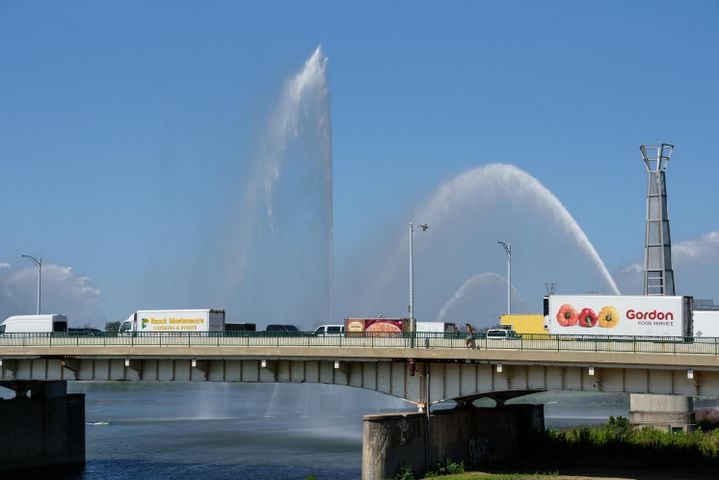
[508,250]
[412,322]
[38,263]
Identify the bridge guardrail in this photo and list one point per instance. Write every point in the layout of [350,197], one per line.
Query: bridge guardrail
[422,340]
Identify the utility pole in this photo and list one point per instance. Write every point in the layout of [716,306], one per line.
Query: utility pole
[508,249]
[412,320]
[38,264]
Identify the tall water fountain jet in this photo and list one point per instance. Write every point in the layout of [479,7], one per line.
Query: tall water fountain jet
[282,261]
[466,215]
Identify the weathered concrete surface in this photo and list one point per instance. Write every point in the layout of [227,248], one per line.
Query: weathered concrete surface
[46,429]
[477,436]
[390,441]
[665,412]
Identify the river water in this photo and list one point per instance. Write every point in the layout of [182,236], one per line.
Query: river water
[253,431]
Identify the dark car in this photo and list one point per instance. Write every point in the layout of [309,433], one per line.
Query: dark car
[84,331]
[283,329]
[240,327]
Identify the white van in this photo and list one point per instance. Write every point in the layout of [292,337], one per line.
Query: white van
[501,333]
[34,324]
[330,330]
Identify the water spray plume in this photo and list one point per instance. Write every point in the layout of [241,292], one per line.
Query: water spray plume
[467,215]
[303,108]
[472,287]
[488,180]
[283,254]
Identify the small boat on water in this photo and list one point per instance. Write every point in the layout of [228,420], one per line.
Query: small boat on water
[99,423]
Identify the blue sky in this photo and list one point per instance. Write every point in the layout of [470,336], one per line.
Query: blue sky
[125,127]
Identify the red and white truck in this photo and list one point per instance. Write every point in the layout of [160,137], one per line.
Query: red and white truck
[619,315]
[380,327]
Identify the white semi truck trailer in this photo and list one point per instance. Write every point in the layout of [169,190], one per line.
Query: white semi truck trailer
[620,315]
[185,320]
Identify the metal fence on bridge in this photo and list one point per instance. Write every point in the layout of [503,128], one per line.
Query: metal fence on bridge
[424,340]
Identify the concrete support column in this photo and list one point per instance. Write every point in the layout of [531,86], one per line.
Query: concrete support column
[477,436]
[43,429]
[666,412]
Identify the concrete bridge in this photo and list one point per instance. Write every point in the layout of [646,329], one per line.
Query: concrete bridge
[423,370]
[437,368]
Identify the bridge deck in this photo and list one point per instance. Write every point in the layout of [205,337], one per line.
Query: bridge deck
[436,368]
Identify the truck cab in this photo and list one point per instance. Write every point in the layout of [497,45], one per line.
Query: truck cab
[127,326]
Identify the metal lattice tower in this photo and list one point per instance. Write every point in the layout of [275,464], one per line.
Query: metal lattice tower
[658,271]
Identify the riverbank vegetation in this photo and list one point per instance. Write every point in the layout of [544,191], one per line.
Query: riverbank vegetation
[615,445]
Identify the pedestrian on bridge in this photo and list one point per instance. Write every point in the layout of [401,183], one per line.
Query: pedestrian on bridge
[470,335]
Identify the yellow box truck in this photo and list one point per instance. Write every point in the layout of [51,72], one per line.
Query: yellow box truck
[527,325]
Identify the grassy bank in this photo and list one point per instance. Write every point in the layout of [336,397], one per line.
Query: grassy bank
[616,444]
[497,476]
[611,447]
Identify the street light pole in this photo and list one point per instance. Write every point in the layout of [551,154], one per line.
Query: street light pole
[508,250]
[412,321]
[38,263]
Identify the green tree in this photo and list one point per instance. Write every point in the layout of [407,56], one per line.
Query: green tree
[112,326]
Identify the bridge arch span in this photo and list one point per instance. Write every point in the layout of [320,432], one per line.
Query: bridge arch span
[410,380]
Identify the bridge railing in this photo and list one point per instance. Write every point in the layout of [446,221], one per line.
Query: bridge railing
[421,340]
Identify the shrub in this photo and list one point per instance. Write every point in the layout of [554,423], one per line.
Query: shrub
[707,418]
[405,473]
[447,467]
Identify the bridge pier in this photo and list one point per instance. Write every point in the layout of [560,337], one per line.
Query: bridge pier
[42,426]
[477,436]
[665,412]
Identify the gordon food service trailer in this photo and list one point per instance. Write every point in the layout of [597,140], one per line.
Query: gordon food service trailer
[640,316]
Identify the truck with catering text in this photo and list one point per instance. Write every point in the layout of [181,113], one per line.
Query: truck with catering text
[619,315]
[183,320]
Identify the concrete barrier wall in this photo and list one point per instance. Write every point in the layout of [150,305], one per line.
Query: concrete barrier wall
[665,412]
[477,436]
[42,431]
